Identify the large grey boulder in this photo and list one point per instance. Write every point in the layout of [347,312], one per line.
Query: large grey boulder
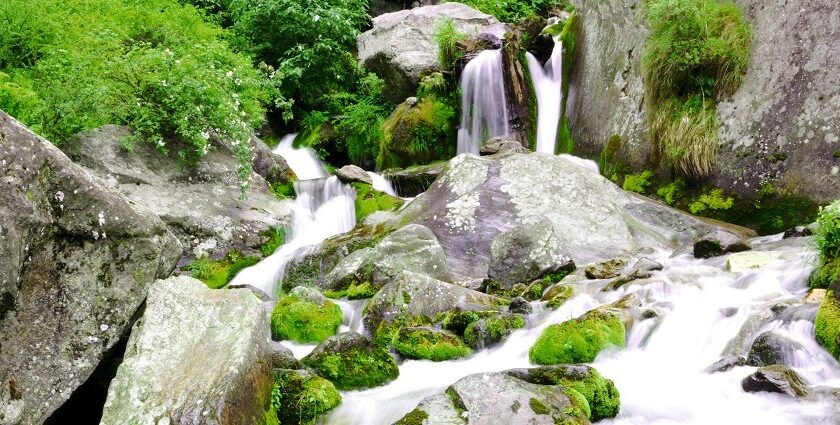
[477,198]
[413,181]
[780,126]
[525,253]
[198,355]
[203,205]
[401,46]
[412,248]
[77,260]
[353,174]
[411,295]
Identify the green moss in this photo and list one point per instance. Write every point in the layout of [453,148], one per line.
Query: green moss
[827,324]
[531,129]
[608,162]
[275,237]
[415,417]
[556,296]
[538,407]
[353,292]
[580,405]
[428,344]
[218,273]
[826,274]
[356,367]
[457,320]
[305,322]
[602,399]
[638,183]
[283,191]
[303,398]
[578,340]
[369,200]
[565,143]
[672,192]
[536,291]
[418,134]
[492,330]
[697,51]
[713,200]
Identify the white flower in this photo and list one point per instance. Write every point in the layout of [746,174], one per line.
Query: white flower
[229,74]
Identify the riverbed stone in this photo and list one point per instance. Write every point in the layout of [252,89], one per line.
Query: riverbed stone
[187,324]
[580,340]
[725,364]
[525,253]
[353,174]
[352,361]
[775,379]
[77,261]
[773,348]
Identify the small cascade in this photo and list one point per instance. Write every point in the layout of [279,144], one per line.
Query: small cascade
[323,208]
[382,184]
[484,113]
[548,85]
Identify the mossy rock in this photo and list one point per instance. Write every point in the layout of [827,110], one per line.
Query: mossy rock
[827,274]
[827,324]
[304,397]
[417,132]
[297,319]
[369,200]
[352,361]
[557,295]
[600,394]
[579,340]
[488,332]
[458,320]
[429,344]
[415,417]
[218,273]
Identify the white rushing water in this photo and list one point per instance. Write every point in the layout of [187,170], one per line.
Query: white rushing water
[702,309]
[382,184]
[548,85]
[323,208]
[484,113]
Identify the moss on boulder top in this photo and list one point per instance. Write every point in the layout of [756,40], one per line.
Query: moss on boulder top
[487,332]
[579,340]
[305,316]
[304,397]
[352,361]
[429,344]
[369,200]
[600,393]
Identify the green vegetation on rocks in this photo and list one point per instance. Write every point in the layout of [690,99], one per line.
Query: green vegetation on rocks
[218,273]
[578,340]
[304,321]
[447,37]
[712,200]
[415,417]
[492,330]
[697,52]
[369,200]
[514,10]
[301,398]
[827,237]
[429,344]
[638,183]
[417,133]
[352,361]
[599,393]
[827,324]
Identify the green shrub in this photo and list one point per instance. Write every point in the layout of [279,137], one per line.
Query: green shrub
[303,321]
[512,11]
[672,192]
[698,50]
[447,37]
[154,65]
[827,235]
[712,200]
[421,133]
[429,344]
[578,340]
[638,183]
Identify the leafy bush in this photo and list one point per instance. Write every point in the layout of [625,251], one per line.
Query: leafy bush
[672,192]
[308,42]
[712,200]
[698,50]
[447,37]
[512,11]
[638,183]
[417,134]
[153,65]
[827,237]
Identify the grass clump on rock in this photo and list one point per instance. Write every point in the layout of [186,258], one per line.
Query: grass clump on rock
[305,321]
[218,273]
[429,344]
[578,340]
[299,397]
[697,52]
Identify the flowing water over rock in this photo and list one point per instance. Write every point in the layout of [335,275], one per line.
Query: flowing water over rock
[323,208]
[689,314]
[483,105]
[548,85]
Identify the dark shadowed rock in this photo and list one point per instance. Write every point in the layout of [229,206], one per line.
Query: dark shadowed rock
[282,357]
[413,181]
[775,379]
[520,305]
[798,232]
[502,146]
[773,348]
[77,260]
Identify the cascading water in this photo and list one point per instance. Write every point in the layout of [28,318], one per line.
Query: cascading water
[548,85]
[323,208]
[701,310]
[382,184]
[484,113]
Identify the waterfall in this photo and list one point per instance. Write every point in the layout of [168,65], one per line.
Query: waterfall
[484,113]
[660,374]
[323,208]
[382,184]
[548,85]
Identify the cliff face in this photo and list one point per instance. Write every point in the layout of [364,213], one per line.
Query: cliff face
[777,128]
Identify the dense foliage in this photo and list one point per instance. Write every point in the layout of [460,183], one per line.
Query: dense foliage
[697,52]
[512,10]
[154,65]
[827,237]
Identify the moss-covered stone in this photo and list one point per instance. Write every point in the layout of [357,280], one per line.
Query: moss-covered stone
[303,397]
[538,407]
[304,321]
[579,340]
[352,361]
[458,320]
[491,331]
[417,132]
[369,200]
[415,417]
[557,295]
[218,273]
[601,397]
[827,324]
[429,344]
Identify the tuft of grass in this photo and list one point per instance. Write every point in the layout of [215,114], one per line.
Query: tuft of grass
[697,52]
[448,36]
[218,273]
